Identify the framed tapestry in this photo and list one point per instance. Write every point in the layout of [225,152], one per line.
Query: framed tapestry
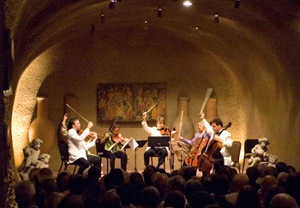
[127,102]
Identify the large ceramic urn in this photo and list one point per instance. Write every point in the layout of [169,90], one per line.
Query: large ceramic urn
[41,127]
[182,122]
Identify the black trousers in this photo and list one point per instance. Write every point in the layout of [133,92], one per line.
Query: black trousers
[161,152]
[219,161]
[83,163]
[119,154]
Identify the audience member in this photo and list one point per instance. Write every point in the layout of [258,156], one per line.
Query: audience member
[248,198]
[271,193]
[25,194]
[283,200]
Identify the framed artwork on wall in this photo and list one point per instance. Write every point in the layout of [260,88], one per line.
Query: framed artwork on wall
[127,102]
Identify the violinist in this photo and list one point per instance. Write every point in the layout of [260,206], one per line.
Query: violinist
[78,148]
[110,139]
[155,131]
[222,157]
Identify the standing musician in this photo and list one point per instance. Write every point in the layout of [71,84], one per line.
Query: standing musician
[198,143]
[110,139]
[216,127]
[78,148]
[155,131]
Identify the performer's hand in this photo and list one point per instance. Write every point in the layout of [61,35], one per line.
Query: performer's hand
[65,117]
[90,125]
[144,115]
[106,135]
[201,115]
[94,135]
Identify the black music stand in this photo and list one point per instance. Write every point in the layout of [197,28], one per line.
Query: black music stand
[141,143]
[158,141]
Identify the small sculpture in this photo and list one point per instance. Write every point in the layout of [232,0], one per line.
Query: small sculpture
[33,159]
[259,152]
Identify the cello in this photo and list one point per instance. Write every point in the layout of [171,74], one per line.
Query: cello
[197,148]
[206,160]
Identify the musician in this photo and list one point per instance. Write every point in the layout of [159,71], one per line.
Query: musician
[62,130]
[110,138]
[202,135]
[78,148]
[216,127]
[154,131]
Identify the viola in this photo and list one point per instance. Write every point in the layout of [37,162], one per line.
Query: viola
[118,138]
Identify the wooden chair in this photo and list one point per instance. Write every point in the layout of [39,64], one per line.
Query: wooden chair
[100,150]
[157,155]
[64,156]
[248,145]
[235,151]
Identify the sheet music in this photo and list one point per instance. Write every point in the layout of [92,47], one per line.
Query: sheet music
[132,144]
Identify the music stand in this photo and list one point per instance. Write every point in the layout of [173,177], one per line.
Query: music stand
[141,143]
[158,141]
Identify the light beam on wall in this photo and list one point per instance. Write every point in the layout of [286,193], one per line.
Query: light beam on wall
[187,3]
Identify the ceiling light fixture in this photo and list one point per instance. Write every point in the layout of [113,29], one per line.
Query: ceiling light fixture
[187,3]
[102,18]
[159,11]
[111,4]
[237,4]
[216,18]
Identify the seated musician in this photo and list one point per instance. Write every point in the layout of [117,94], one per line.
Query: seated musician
[154,131]
[198,143]
[110,138]
[216,127]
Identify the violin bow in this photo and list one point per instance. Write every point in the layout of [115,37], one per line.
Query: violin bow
[208,92]
[76,112]
[112,126]
[180,124]
[151,107]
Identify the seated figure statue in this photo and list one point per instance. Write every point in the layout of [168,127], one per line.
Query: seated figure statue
[259,152]
[33,159]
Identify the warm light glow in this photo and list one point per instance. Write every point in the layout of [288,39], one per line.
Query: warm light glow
[187,3]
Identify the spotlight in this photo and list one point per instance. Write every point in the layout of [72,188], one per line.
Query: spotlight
[159,12]
[111,4]
[216,18]
[237,4]
[102,18]
[187,3]
[146,24]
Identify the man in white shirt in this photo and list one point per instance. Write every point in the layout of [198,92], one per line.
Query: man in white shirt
[78,148]
[216,127]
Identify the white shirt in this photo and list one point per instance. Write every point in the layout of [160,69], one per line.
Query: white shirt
[77,147]
[225,136]
[153,131]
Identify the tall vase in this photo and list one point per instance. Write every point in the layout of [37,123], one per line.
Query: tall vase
[41,127]
[182,122]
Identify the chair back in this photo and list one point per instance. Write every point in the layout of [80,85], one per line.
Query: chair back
[99,147]
[248,145]
[63,150]
[235,151]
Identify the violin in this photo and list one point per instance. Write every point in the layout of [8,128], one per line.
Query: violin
[165,131]
[118,138]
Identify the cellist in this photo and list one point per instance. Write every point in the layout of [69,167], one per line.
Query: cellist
[215,128]
[198,143]
[112,148]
